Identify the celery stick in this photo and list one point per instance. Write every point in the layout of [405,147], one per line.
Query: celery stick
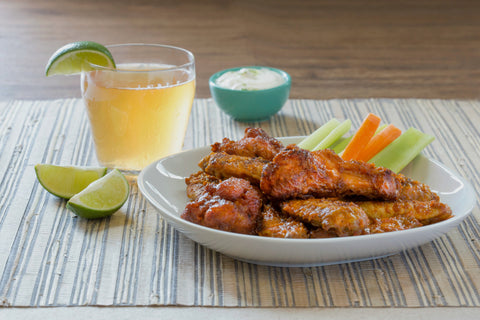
[334,135]
[342,143]
[318,135]
[402,150]
[380,128]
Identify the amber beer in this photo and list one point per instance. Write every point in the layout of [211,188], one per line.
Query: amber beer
[138,113]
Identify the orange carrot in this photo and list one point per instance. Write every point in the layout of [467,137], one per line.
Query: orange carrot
[378,142]
[361,137]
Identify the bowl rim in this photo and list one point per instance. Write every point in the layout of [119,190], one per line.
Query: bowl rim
[212,80]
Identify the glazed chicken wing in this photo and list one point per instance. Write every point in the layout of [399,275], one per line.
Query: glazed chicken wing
[395,223]
[318,233]
[232,205]
[364,217]
[295,172]
[255,143]
[197,184]
[273,224]
[341,217]
[414,190]
[223,165]
[426,212]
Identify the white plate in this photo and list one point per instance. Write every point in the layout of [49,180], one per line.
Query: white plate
[162,183]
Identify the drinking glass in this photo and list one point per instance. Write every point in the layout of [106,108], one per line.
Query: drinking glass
[139,111]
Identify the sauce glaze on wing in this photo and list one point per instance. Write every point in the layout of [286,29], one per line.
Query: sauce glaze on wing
[296,172]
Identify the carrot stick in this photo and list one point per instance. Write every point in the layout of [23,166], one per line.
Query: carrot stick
[341,143]
[378,142]
[361,137]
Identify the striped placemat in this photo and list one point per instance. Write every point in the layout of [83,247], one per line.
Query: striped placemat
[48,257]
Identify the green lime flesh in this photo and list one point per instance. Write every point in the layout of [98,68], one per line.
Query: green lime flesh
[76,57]
[102,197]
[66,181]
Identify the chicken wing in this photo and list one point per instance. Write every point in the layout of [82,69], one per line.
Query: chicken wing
[223,165]
[364,217]
[255,143]
[413,190]
[295,172]
[232,205]
[426,212]
[319,233]
[197,184]
[273,224]
[395,223]
[341,217]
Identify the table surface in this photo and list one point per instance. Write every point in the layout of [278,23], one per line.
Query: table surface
[51,258]
[332,49]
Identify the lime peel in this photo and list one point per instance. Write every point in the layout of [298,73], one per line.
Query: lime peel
[79,56]
[102,197]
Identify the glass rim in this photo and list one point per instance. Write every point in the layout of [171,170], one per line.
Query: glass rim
[189,54]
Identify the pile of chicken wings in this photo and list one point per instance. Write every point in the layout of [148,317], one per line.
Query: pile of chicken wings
[258,186]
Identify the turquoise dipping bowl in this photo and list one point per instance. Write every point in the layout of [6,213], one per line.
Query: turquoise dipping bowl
[250,105]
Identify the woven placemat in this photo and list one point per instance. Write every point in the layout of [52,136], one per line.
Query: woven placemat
[48,257]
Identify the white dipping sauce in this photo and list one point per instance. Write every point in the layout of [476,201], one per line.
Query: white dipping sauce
[250,79]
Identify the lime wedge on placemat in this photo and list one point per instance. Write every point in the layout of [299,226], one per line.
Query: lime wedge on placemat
[66,181]
[102,197]
[77,57]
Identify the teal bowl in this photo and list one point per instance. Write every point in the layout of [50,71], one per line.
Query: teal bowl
[250,105]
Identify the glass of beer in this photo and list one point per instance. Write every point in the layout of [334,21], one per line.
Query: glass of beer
[139,110]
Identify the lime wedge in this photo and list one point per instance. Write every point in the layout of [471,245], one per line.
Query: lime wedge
[77,57]
[65,182]
[102,197]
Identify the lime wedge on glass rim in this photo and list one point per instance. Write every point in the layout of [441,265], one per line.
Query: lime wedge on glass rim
[79,56]
[102,197]
[66,181]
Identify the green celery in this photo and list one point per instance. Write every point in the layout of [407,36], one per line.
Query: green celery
[402,150]
[341,144]
[318,135]
[380,128]
[334,135]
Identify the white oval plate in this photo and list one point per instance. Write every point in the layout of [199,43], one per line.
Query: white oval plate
[162,183]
